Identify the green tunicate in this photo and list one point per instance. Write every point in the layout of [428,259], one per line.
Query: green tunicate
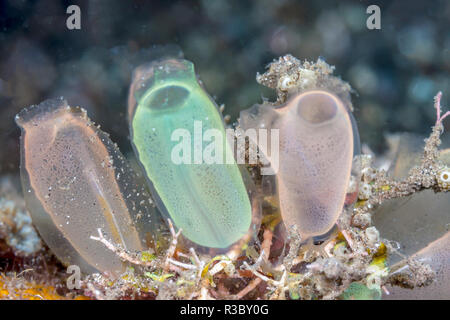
[207,200]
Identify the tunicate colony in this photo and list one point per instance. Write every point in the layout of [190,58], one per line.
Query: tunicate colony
[76,181]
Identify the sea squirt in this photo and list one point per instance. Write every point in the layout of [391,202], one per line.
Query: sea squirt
[75,180]
[208,201]
[316,148]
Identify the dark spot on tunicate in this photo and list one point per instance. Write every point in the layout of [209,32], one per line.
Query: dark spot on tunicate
[168,97]
[317,108]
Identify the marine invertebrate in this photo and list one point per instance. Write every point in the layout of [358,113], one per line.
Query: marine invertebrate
[413,221]
[354,262]
[365,190]
[443,179]
[316,145]
[75,180]
[208,201]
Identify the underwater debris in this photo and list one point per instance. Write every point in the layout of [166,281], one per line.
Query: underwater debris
[427,271]
[75,180]
[16,227]
[208,201]
[410,201]
[288,75]
[194,273]
[423,176]
[358,291]
[413,221]
[411,225]
[315,155]
[14,287]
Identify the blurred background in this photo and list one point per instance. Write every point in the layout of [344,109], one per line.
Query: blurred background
[395,71]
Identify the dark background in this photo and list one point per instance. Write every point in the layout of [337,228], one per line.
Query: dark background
[395,71]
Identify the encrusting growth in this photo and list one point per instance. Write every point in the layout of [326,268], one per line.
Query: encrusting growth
[429,174]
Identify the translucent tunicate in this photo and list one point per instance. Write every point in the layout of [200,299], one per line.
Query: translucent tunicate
[313,163]
[76,181]
[421,218]
[171,117]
